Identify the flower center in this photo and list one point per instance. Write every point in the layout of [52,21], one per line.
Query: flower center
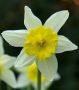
[31,72]
[41,42]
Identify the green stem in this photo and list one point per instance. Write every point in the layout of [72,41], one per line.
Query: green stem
[39,81]
[29,87]
[9,88]
[24,89]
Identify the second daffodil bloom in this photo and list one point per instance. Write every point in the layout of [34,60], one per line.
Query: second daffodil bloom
[29,76]
[6,62]
[40,42]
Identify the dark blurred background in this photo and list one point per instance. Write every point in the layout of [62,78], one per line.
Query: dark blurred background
[12,18]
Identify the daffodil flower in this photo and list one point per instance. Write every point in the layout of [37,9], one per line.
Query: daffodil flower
[40,42]
[6,62]
[29,75]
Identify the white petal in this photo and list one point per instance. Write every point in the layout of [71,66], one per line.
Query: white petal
[48,67]
[1,46]
[57,20]
[9,78]
[46,85]
[7,60]
[22,81]
[57,76]
[15,38]
[23,59]
[43,87]
[30,20]
[64,44]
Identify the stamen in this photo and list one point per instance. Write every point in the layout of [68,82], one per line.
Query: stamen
[42,43]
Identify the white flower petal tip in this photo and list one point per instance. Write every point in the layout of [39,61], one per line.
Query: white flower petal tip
[9,77]
[75,47]
[64,44]
[57,77]
[15,38]
[4,34]
[30,20]
[23,59]
[1,46]
[65,12]
[19,65]
[16,66]
[57,20]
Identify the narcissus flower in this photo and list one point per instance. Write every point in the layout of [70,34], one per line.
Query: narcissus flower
[6,62]
[40,42]
[29,75]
